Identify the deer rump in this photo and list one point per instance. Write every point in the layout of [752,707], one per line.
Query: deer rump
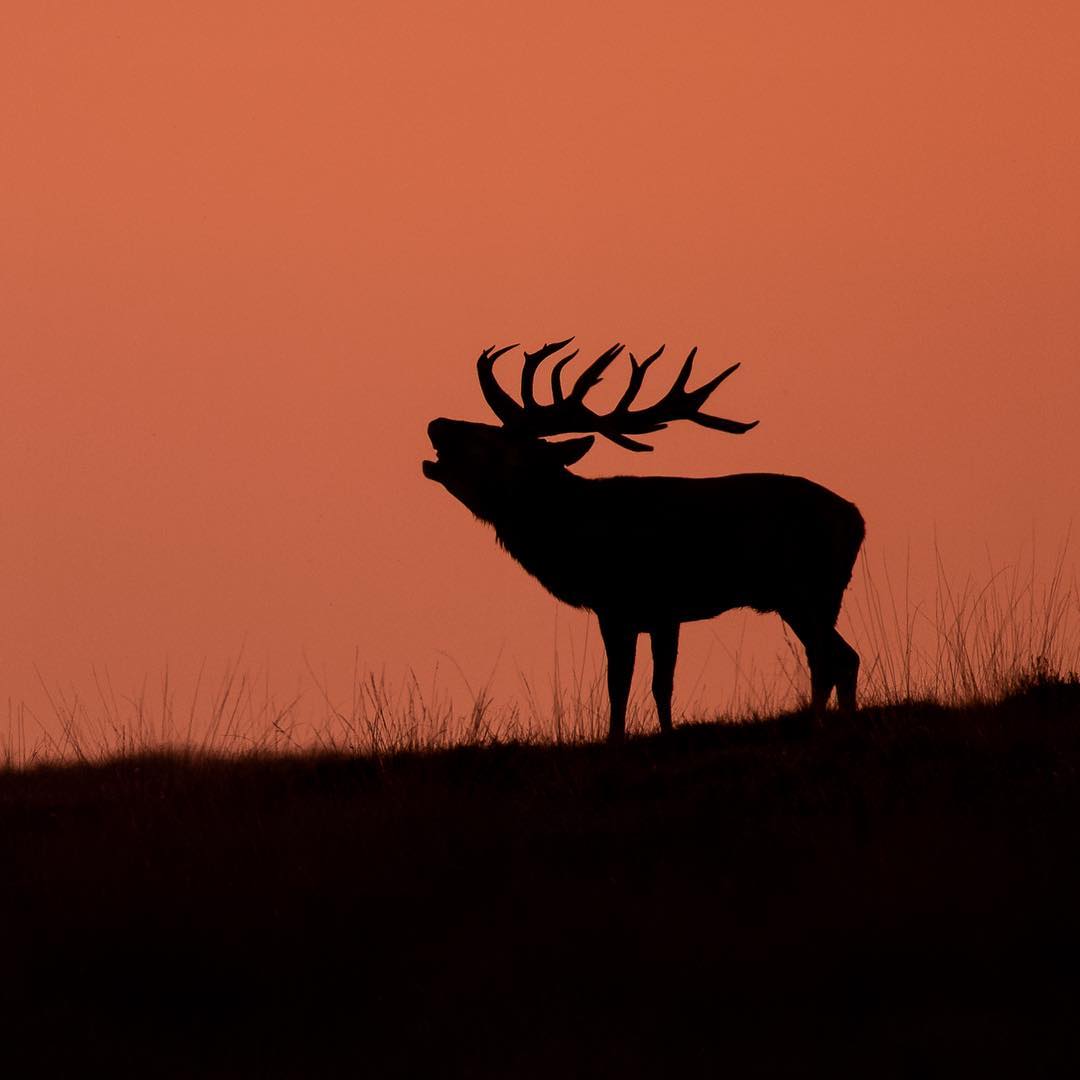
[655,550]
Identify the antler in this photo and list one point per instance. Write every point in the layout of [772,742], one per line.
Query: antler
[568,412]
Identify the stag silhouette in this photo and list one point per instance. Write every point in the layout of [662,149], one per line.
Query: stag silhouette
[648,553]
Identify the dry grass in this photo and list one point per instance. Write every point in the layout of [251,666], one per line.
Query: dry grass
[972,642]
[968,642]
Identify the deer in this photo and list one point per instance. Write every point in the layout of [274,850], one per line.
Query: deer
[649,553]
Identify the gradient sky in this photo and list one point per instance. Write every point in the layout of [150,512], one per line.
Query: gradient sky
[250,249]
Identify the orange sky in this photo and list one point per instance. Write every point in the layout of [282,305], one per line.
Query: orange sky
[250,249]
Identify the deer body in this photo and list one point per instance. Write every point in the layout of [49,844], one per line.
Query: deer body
[647,554]
[656,548]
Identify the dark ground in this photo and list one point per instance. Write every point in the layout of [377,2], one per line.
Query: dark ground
[894,895]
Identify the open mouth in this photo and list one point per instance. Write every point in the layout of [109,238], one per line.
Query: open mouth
[432,467]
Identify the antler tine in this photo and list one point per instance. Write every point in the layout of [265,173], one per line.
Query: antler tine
[532,361]
[491,354]
[719,423]
[593,373]
[546,350]
[637,377]
[701,394]
[502,404]
[556,377]
[627,443]
[684,373]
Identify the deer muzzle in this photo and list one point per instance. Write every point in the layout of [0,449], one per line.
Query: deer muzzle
[437,430]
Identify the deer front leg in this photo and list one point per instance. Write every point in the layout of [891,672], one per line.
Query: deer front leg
[621,643]
[665,648]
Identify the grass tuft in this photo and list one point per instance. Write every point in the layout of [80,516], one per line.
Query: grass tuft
[959,644]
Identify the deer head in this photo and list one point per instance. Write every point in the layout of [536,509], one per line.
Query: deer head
[483,465]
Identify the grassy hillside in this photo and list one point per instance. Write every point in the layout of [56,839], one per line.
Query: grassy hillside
[893,895]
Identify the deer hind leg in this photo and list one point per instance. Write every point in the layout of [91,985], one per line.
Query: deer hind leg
[822,679]
[846,666]
[665,649]
[620,643]
[832,662]
[820,658]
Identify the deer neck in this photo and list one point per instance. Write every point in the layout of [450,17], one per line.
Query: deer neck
[536,511]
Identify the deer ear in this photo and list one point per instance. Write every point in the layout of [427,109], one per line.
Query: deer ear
[572,450]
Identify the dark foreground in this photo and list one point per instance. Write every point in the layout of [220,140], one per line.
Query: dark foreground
[896,895]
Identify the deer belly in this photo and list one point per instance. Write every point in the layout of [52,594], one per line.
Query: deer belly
[687,589]
[642,598]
